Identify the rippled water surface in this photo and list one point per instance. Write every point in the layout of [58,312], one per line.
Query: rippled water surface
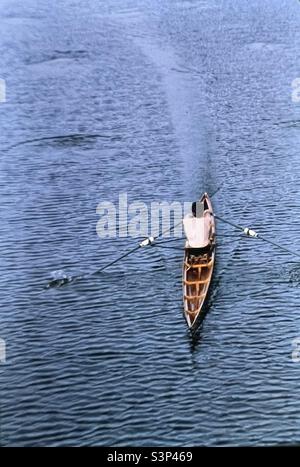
[161,100]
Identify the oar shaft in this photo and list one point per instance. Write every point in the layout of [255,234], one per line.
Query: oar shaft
[236,226]
[116,260]
[168,230]
[279,246]
[53,283]
[158,245]
[151,239]
[252,233]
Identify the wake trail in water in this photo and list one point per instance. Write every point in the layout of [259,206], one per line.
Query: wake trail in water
[70,138]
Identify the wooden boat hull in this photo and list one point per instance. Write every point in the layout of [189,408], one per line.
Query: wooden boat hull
[197,276]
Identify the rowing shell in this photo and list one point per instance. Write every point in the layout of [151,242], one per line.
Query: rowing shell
[197,275]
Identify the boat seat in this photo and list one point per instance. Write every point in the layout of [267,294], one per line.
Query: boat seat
[201,265]
[200,252]
[190,312]
[193,297]
[196,282]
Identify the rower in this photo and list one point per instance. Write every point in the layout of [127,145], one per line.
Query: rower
[198,229]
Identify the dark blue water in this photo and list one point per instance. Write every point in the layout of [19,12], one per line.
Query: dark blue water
[161,100]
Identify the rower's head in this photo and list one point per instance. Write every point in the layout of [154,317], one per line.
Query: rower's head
[197,209]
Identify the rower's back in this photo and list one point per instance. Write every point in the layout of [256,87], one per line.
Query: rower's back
[198,226]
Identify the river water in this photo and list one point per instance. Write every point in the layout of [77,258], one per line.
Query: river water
[159,100]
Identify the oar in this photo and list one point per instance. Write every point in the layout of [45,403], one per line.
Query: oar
[252,233]
[148,241]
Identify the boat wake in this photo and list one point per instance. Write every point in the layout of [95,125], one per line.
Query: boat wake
[63,140]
